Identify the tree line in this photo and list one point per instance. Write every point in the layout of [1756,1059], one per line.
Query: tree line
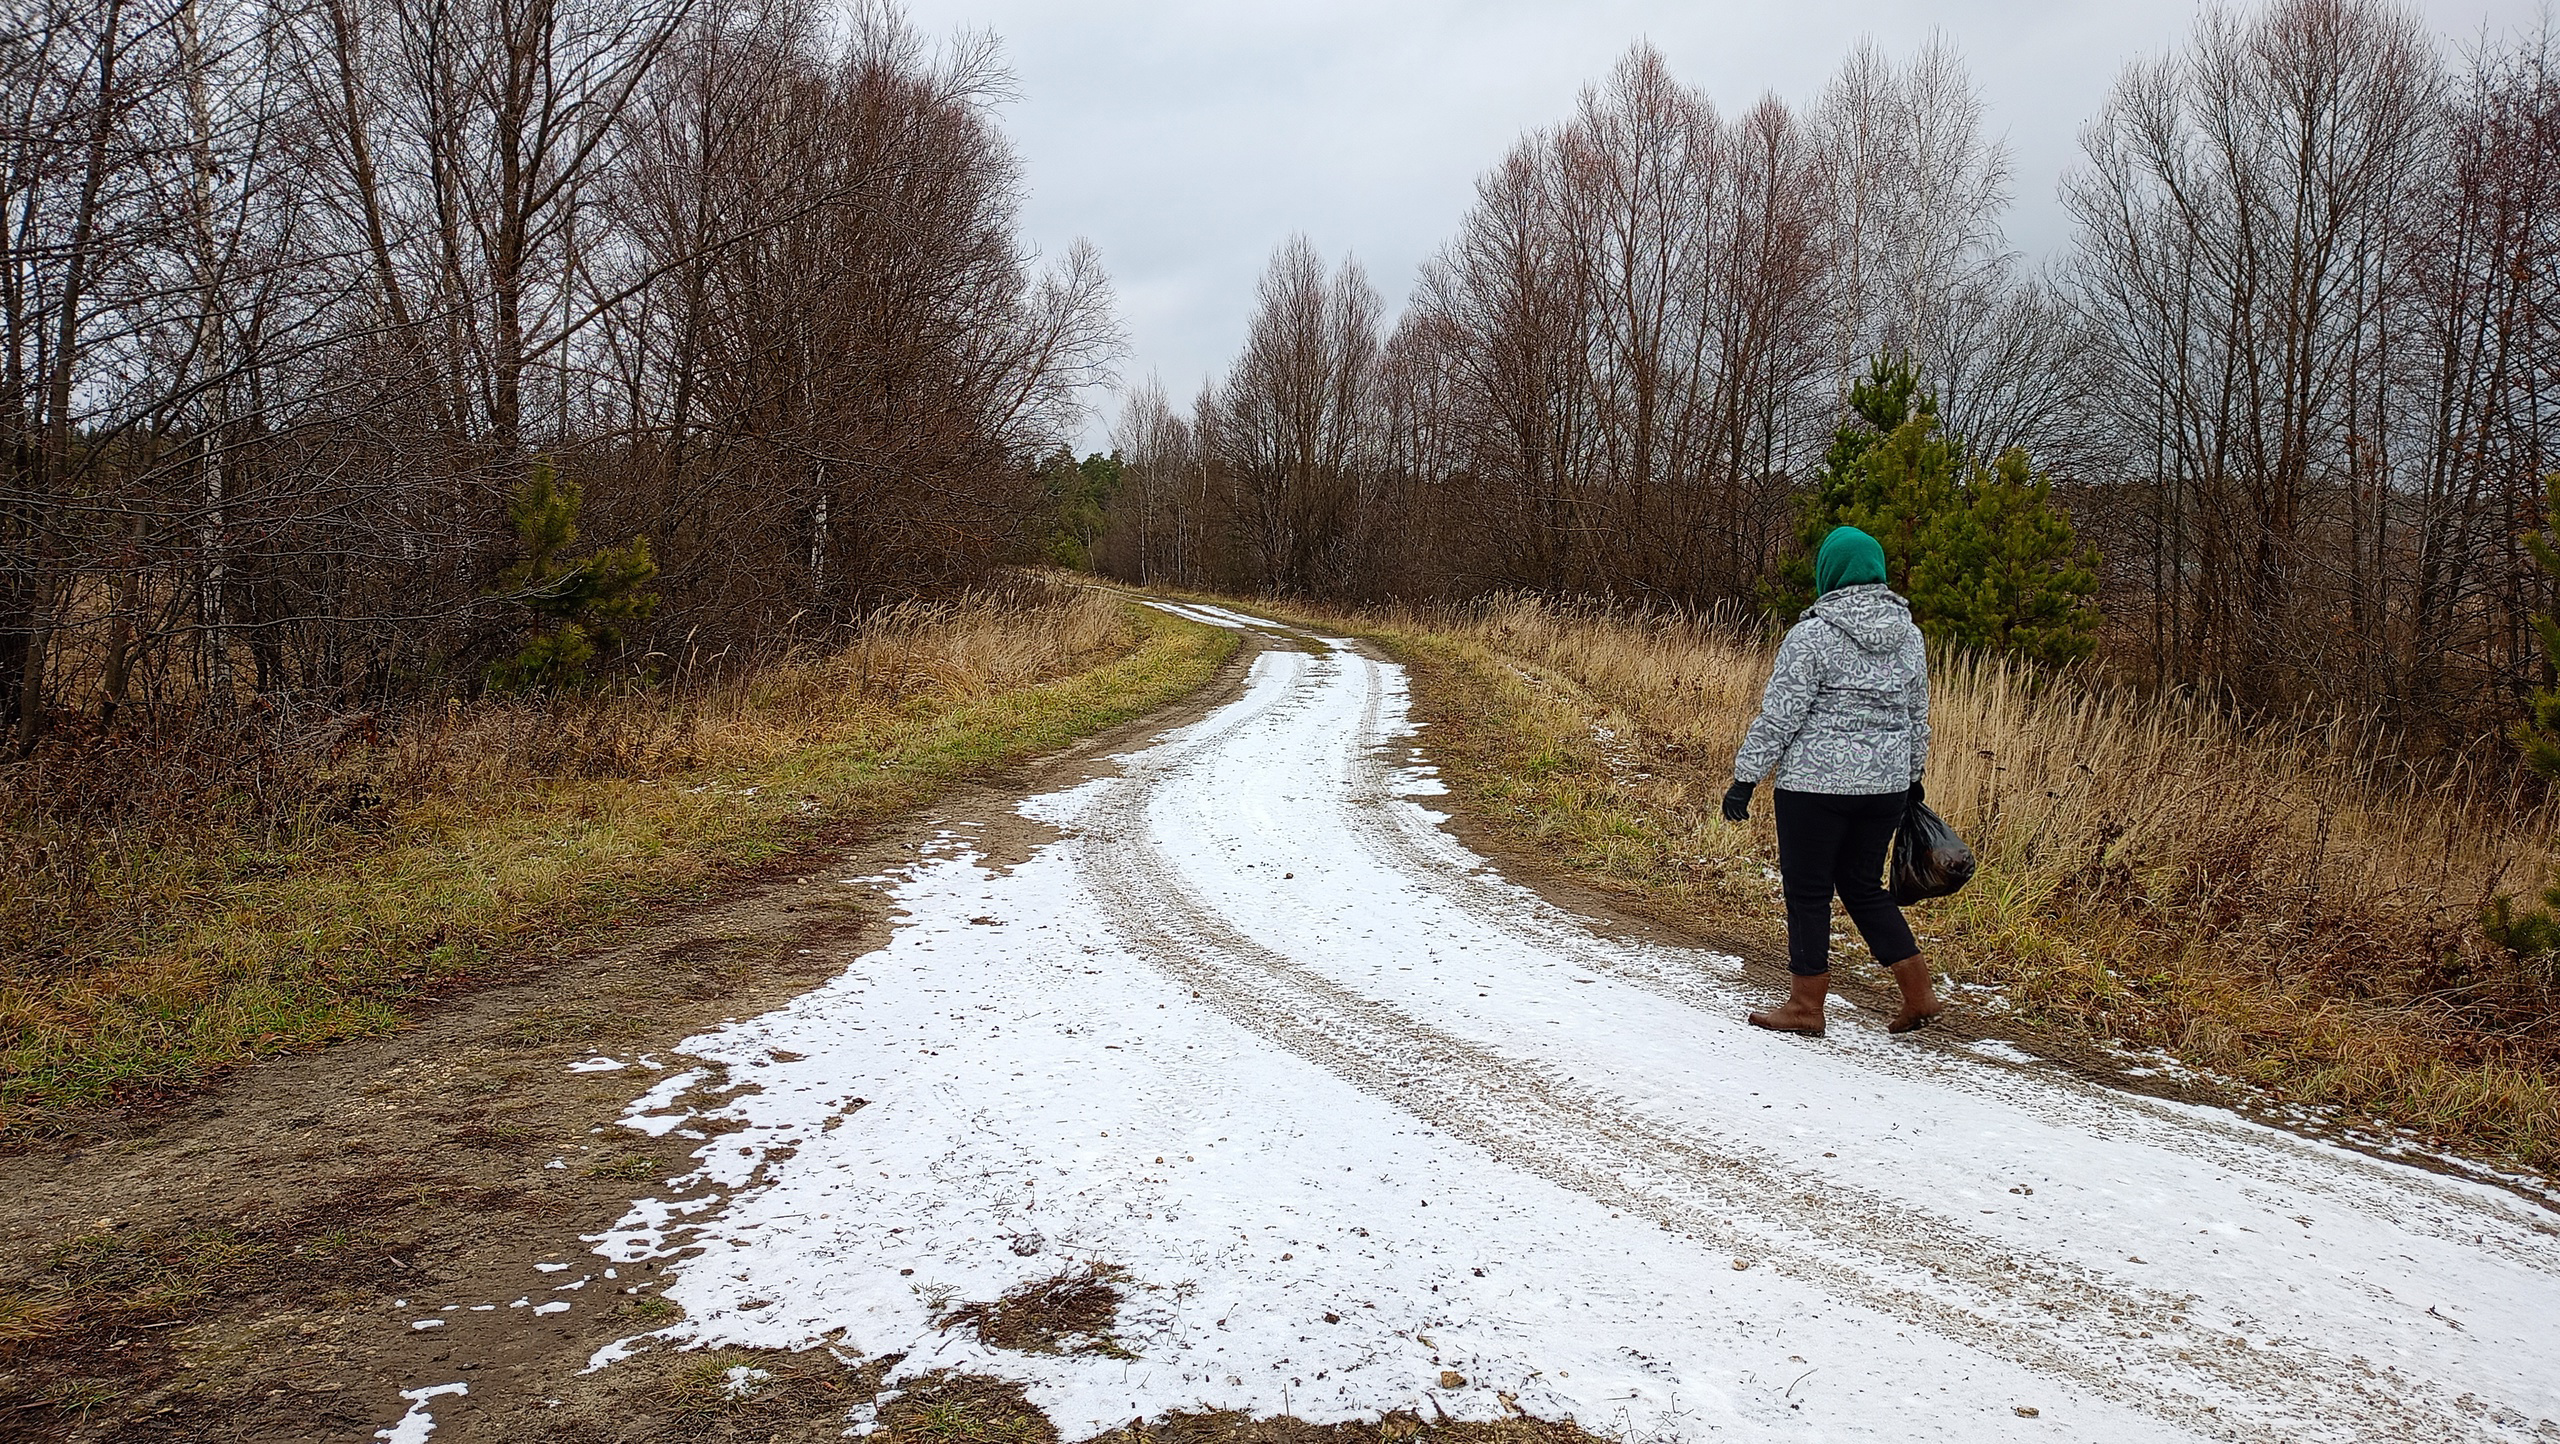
[354,349]
[2287,377]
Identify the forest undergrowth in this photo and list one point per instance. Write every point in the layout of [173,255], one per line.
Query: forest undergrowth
[176,903]
[2278,904]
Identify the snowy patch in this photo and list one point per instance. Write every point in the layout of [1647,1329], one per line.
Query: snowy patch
[643,1115]
[614,1353]
[742,1382]
[418,1423]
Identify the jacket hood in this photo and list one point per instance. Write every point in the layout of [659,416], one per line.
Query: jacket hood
[1870,615]
[1848,557]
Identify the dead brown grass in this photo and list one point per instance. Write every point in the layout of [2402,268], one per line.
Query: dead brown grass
[2278,904]
[1070,1312]
[951,1408]
[175,902]
[744,1393]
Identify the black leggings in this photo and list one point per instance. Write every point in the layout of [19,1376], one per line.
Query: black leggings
[1829,841]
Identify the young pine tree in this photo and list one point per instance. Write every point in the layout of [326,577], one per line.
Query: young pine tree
[1881,495]
[566,610]
[2002,570]
[2538,735]
[2533,931]
[1983,555]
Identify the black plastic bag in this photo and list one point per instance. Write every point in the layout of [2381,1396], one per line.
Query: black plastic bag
[1929,860]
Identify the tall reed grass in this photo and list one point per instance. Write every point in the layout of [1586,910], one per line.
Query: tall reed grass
[2284,903]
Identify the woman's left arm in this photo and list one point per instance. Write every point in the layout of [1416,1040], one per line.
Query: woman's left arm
[1915,701]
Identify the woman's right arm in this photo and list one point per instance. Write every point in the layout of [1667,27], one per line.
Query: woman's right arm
[1783,707]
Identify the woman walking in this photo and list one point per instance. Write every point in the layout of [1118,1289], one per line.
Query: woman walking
[1845,725]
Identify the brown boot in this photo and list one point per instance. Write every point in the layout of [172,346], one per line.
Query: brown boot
[1919,1000]
[1802,1012]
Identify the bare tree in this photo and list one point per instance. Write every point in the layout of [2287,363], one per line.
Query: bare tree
[1916,190]
[1160,519]
[1623,353]
[1293,433]
[2238,217]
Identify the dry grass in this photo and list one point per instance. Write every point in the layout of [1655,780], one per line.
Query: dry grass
[753,1393]
[948,1408]
[108,1284]
[1072,1312]
[174,904]
[2276,905]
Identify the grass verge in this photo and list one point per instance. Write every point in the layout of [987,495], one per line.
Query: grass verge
[313,899]
[2267,904]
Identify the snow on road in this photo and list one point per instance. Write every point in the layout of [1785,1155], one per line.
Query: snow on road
[1351,1110]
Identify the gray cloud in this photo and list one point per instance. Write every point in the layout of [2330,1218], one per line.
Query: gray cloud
[1188,140]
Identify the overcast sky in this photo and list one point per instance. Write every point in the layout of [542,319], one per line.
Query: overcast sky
[1189,140]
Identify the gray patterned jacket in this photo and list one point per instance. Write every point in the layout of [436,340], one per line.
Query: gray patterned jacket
[1847,710]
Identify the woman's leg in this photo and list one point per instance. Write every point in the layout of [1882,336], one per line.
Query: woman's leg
[1866,835]
[1865,841]
[1809,830]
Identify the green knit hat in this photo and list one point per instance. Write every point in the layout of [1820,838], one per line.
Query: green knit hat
[1849,558]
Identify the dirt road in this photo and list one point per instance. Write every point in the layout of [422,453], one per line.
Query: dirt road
[1351,1123]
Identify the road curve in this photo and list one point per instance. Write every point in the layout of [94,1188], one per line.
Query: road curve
[1369,1127]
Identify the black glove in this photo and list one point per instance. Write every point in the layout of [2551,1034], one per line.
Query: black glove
[1737,802]
[1919,794]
